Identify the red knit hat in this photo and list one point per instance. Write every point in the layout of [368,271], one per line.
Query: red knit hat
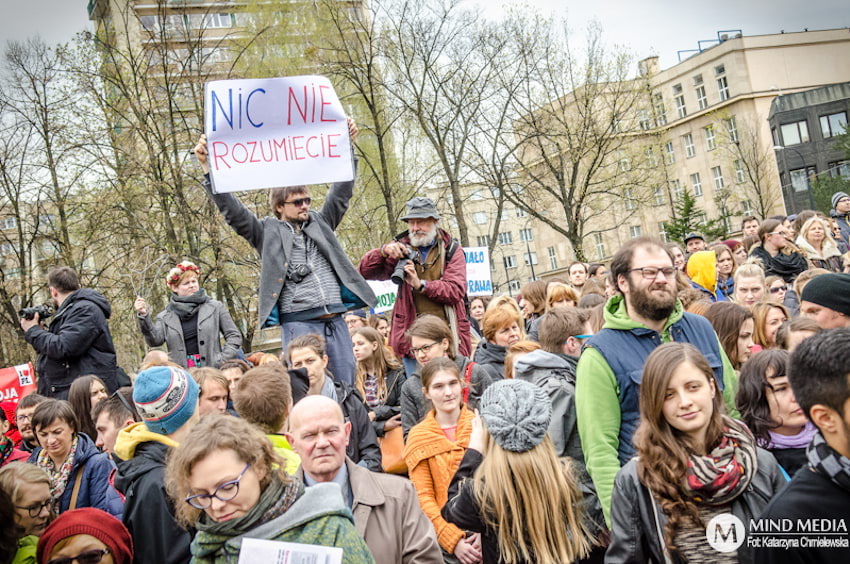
[88,521]
[9,408]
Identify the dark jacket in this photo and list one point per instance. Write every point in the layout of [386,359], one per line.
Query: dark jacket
[462,509]
[808,496]
[843,221]
[95,490]
[491,357]
[790,459]
[148,511]
[449,291]
[635,532]
[77,343]
[213,321]
[392,403]
[273,240]
[414,406]
[362,443]
[788,268]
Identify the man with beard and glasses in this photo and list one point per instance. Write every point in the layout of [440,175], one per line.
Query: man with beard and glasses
[643,315]
[434,277]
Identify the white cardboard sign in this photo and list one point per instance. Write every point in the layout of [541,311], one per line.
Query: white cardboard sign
[272,132]
[478,280]
[254,551]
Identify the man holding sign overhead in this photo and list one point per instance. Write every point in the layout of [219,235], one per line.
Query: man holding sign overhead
[307,282]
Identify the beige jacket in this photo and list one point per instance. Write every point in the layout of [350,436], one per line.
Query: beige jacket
[387,514]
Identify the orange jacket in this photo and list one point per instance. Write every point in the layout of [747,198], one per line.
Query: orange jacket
[433,461]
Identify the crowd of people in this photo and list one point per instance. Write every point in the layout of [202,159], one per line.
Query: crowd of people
[607,416]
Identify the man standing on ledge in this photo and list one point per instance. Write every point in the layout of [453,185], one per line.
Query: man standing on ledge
[433,280]
[306,281]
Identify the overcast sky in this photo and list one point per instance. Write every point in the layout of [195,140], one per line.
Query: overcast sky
[647,27]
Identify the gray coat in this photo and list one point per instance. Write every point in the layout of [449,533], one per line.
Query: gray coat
[213,320]
[273,240]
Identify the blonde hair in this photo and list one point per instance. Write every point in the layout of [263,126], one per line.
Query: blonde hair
[805,277]
[202,375]
[15,475]
[532,501]
[828,246]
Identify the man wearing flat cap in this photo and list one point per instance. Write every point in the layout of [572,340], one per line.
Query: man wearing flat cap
[433,279]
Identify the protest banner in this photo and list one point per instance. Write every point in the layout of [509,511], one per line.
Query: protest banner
[273,132]
[16,382]
[385,291]
[478,280]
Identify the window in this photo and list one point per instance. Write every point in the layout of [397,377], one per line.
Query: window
[717,174]
[732,129]
[747,208]
[600,245]
[483,240]
[651,159]
[634,231]
[840,168]
[479,218]
[676,189]
[476,195]
[795,133]
[701,219]
[553,258]
[740,174]
[505,214]
[643,120]
[688,142]
[629,199]
[7,249]
[659,195]
[722,83]
[510,261]
[8,223]
[679,100]
[699,89]
[624,161]
[530,258]
[669,153]
[710,138]
[211,21]
[660,110]
[521,212]
[526,234]
[662,231]
[833,124]
[514,285]
[506,238]
[695,182]
[800,178]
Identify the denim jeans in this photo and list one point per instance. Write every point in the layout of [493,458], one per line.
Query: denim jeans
[339,347]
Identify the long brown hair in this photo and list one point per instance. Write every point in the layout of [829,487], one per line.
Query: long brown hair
[727,319]
[662,450]
[760,312]
[379,364]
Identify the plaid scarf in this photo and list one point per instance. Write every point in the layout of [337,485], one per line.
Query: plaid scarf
[724,473]
[58,477]
[827,461]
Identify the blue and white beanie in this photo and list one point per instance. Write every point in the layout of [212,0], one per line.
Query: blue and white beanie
[166,398]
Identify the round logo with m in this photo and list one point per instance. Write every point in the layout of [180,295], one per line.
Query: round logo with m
[725,533]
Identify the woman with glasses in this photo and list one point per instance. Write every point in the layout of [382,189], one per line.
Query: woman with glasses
[79,473]
[192,324]
[28,487]
[776,289]
[776,253]
[86,536]
[430,338]
[227,482]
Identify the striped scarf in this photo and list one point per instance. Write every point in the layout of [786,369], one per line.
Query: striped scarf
[58,476]
[724,473]
[829,462]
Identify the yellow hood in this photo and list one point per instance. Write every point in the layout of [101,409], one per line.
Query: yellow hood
[130,437]
[702,269]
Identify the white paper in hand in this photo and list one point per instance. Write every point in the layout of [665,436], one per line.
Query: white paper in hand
[255,551]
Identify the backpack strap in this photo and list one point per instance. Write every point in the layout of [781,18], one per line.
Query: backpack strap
[76,491]
[467,377]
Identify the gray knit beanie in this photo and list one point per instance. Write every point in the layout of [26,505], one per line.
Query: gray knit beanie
[516,414]
[837,197]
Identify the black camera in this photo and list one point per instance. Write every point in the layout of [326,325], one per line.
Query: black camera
[43,312]
[410,255]
[299,273]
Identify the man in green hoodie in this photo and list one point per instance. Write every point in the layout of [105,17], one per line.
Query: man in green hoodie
[645,314]
[167,400]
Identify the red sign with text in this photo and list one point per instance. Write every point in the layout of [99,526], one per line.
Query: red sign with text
[16,382]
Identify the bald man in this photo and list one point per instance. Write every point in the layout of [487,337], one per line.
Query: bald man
[386,508]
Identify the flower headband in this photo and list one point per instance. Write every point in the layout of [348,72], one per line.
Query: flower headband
[175,273]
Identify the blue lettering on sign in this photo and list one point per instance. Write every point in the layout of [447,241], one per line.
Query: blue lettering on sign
[479,286]
[475,257]
[229,114]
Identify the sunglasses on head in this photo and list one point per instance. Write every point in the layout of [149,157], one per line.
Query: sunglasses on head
[87,557]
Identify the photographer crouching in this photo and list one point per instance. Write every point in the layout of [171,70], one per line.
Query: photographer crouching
[429,267]
[78,341]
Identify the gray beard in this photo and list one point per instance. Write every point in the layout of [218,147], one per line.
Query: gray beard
[423,240]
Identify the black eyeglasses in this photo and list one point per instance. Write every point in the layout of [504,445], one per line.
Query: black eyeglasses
[88,557]
[23,417]
[224,492]
[423,348]
[300,202]
[35,510]
[651,273]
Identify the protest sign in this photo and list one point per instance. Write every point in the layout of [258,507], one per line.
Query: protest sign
[265,133]
[261,550]
[385,291]
[16,382]
[478,281]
